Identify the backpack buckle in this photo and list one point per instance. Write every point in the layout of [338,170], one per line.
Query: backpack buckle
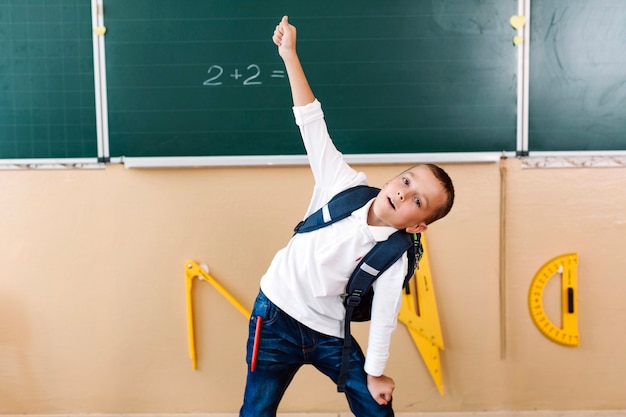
[353,300]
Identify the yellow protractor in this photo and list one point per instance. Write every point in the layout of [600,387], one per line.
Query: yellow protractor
[565,266]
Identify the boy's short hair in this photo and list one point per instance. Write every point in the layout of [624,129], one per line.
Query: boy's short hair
[448,188]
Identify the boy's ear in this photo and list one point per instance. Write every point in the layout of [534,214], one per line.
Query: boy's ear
[419,228]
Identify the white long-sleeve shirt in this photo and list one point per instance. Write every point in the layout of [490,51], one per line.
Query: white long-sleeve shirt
[307,278]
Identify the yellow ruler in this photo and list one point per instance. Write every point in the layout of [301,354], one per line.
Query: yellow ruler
[419,314]
[565,266]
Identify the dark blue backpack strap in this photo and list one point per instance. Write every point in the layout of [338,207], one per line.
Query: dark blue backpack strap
[415,253]
[378,259]
[339,207]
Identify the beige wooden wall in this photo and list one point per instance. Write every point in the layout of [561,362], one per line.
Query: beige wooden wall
[92,289]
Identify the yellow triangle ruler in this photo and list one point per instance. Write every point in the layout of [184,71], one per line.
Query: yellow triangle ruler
[565,266]
[426,319]
[422,320]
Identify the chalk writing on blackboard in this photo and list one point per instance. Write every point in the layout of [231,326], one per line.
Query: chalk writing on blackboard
[251,75]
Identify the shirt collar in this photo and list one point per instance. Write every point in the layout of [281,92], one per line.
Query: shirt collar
[379,233]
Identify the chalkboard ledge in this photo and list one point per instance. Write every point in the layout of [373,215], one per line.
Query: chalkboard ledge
[608,159]
[50,164]
[283,160]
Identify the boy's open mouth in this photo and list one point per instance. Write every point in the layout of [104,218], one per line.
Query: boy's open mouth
[391,203]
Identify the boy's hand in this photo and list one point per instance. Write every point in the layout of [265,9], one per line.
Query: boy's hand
[285,38]
[381,388]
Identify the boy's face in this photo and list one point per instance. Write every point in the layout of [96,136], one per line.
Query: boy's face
[406,201]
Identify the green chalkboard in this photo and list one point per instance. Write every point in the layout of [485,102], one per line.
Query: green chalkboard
[47,99]
[202,78]
[577,88]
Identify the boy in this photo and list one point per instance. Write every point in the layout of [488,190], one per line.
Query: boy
[300,303]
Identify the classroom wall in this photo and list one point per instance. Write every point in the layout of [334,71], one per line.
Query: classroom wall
[92,289]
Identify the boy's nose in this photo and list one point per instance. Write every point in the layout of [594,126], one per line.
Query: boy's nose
[401,196]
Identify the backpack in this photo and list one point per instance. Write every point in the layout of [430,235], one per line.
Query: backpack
[359,291]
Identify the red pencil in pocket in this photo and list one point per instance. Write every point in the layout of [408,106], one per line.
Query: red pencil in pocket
[257,337]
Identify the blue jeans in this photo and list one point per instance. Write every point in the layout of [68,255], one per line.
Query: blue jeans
[284,346]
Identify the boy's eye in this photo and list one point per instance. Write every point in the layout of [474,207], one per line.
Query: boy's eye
[405,181]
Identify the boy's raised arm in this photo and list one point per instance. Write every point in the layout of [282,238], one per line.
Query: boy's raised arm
[285,38]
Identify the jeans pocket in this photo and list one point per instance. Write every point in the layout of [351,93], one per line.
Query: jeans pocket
[264,308]
[268,313]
